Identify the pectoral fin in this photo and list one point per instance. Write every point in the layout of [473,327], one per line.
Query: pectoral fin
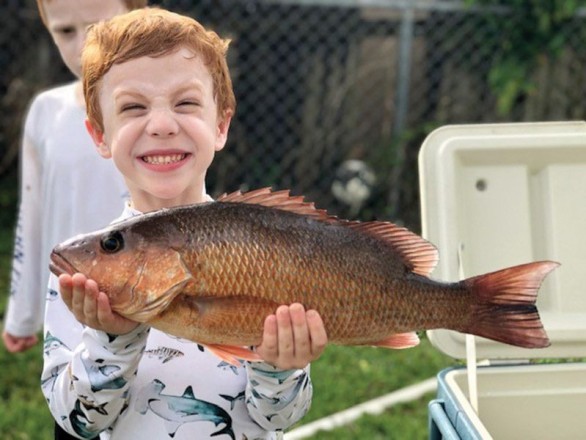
[172,427]
[233,354]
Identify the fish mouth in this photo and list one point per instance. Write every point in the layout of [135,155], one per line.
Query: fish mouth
[59,265]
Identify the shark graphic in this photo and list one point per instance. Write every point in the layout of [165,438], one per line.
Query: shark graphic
[165,354]
[103,377]
[52,295]
[280,400]
[233,400]
[51,343]
[51,379]
[79,422]
[177,410]
[91,405]
[279,375]
[225,365]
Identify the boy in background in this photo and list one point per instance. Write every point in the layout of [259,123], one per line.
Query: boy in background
[60,171]
[160,102]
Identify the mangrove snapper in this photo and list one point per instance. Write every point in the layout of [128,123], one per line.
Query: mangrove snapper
[212,272]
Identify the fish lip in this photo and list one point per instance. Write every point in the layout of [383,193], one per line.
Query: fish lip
[59,265]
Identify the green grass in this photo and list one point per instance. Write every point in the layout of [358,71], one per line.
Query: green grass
[347,376]
[406,421]
[343,377]
[23,412]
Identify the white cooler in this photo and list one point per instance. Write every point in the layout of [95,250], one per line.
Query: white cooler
[493,196]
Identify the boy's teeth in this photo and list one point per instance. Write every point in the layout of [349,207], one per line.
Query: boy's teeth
[163,160]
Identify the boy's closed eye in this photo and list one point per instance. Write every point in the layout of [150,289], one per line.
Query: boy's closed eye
[125,108]
[188,104]
[65,32]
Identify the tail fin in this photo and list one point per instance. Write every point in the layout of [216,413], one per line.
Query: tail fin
[505,309]
[227,430]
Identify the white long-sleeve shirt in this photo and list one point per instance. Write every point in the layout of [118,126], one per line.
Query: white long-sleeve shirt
[66,189]
[150,385]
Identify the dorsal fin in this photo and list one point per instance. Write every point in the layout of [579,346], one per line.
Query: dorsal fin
[418,254]
[188,393]
[279,200]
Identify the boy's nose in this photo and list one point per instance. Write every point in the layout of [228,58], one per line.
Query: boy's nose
[162,123]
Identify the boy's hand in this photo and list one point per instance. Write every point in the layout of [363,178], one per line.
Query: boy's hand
[292,337]
[15,344]
[92,307]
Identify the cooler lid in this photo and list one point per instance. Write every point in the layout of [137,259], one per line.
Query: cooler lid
[498,195]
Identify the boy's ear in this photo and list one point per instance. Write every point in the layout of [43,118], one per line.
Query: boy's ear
[98,138]
[222,133]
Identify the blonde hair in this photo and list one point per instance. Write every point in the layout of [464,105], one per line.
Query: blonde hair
[151,32]
[130,5]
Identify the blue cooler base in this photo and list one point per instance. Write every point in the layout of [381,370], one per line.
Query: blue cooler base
[440,426]
[447,420]
[537,402]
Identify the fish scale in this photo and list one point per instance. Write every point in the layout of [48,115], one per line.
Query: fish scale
[228,264]
[240,261]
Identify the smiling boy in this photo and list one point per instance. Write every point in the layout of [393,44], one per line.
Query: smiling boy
[160,101]
[161,127]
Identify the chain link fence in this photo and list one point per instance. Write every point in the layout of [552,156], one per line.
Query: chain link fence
[336,96]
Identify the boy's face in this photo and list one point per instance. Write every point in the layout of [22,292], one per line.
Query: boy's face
[161,127]
[68,20]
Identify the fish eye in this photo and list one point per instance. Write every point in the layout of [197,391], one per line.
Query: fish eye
[112,243]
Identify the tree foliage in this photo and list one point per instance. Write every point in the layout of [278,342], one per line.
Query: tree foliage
[529,33]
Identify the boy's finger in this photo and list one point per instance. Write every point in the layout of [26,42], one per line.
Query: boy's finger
[317,332]
[90,303]
[103,312]
[269,339]
[65,289]
[285,333]
[269,349]
[78,292]
[301,337]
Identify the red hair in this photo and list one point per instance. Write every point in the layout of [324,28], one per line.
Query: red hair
[151,32]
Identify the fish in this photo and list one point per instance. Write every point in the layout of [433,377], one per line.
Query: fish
[103,377]
[164,354]
[177,410]
[240,396]
[212,272]
[52,343]
[50,381]
[79,421]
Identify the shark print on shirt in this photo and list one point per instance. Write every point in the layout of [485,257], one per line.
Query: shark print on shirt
[177,410]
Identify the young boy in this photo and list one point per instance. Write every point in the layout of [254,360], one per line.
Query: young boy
[60,168]
[160,101]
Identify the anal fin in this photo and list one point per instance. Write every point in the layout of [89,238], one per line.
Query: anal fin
[398,341]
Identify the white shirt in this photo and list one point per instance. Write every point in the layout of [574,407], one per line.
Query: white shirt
[66,189]
[150,385]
